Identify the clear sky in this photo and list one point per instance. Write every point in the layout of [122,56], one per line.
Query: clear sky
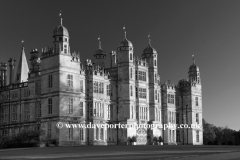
[179,28]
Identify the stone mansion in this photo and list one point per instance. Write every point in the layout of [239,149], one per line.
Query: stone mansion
[55,87]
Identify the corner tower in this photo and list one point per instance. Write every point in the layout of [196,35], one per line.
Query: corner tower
[126,87]
[150,55]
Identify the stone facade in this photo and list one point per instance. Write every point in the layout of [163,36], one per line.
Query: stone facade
[59,88]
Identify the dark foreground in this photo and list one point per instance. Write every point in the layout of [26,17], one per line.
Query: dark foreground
[125,152]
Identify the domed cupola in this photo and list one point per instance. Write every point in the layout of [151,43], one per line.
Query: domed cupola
[149,50]
[125,44]
[193,68]
[61,38]
[100,56]
[194,73]
[60,31]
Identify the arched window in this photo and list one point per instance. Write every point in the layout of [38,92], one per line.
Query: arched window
[155,62]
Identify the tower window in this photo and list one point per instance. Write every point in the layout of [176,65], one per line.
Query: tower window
[70,105]
[155,62]
[131,91]
[50,81]
[65,50]
[70,80]
[49,127]
[131,56]
[196,101]
[197,118]
[197,136]
[81,85]
[131,73]
[65,39]
[50,106]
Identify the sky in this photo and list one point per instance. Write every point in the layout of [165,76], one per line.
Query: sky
[179,28]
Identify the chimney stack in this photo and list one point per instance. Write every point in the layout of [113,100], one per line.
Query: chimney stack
[3,74]
[11,66]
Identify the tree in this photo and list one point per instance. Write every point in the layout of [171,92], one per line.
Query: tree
[208,133]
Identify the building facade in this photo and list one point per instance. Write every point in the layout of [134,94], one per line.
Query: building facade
[56,87]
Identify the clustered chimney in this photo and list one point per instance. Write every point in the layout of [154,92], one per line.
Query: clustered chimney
[3,69]
[11,66]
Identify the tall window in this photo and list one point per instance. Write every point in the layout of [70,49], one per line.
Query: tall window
[14,113]
[170,98]
[136,73]
[38,87]
[101,87]
[49,105]
[95,87]
[26,112]
[70,132]
[111,111]
[196,101]
[70,105]
[1,115]
[50,81]
[81,85]
[142,93]
[155,62]
[131,90]
[177,118]
[197,136]
[136,92]
[108,90]
[101,133]
[197,118]
[142,76]
[81,134]
[131,56]
[5,114]
[94,109]
[158,98]
[155,94]
[81,108]
[131,73]
[70,80]
[143,113]
[177,100]
[178,136]
[155,78]
[38,109]
[108,112]
[49,130]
